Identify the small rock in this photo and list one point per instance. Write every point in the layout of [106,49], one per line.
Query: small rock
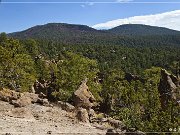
[139,133]
[8,134]
[82,115]
[43,101]
[42,95]
[132,129]
[49,132]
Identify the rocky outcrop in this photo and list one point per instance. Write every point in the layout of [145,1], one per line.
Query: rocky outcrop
[83,101]
[40,87]
[21,102]
[44,88]
[82,97]
[25,109]
[37,120]
[21,99]
[33,97]
[169,88]
[9,95]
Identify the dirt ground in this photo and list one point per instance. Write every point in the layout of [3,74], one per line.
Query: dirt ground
[36,120]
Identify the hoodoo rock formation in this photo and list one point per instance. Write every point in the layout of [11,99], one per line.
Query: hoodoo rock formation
[169,88]
[82,97]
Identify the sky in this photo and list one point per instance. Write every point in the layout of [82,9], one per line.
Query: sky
[18,15]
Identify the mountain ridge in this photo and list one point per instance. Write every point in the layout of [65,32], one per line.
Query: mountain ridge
[129,34]
[89,28]
[137,29]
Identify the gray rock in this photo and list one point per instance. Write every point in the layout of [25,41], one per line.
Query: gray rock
[116,123]
[82,115]
[91,114]
[43,101]
[66,106]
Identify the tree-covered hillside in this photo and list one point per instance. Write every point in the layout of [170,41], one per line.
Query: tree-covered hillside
[125,73]
[126,35]
[141,30]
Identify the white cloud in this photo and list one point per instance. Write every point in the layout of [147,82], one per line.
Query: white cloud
[82,6]
[87,4]
[168,19]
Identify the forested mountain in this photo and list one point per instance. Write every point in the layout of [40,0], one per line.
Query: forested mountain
[127,35]
[58,32]
[142,30]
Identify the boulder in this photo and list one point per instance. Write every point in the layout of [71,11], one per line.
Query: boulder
[91,114]
[82,115]
[34,97]
[21,102]
[66,106]
[116,123]
[82,97]
[9,95]
[21,99]
[169,88]
[44,102]
[25,99]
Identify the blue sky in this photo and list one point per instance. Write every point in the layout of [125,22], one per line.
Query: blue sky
[20,16]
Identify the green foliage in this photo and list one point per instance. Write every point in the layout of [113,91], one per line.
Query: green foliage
[63,66]
[137,103]
[16,69]
[42,68]
[31,47]
[72,69]
[132,59]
